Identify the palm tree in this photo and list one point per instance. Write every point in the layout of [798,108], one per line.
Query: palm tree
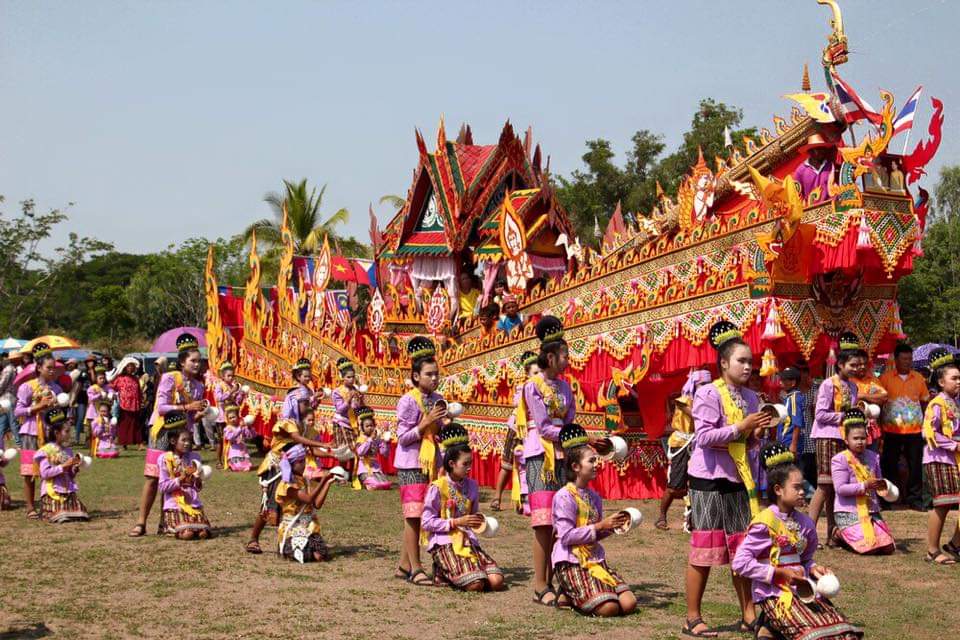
[394,201]
[303,217]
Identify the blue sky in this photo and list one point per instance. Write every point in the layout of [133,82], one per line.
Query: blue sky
[168,120]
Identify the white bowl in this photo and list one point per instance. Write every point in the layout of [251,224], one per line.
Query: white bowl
[343,453]
[75,374]
[113,421]
[891,494]
[806,590]
[635,519]
[86,461]
[245,388]
[111,395]
[339,473]
[5,404]
[206,471]
[489,528]
[872,411]
[779,411]
[828,585]
[619,450]
[454,409]
[362,388]
[63,399]
[387,436]
[326,392]
[249,420]
[9,454]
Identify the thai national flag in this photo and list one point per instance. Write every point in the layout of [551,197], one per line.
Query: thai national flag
[904,120]
[854,107]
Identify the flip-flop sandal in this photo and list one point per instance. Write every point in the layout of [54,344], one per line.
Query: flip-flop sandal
[401,574]
[138,531]
[661,524]
[941,559]
[690,625]
[744,627]
[538,597]
[33,514]
[495,505]
[253,546]
[426,582]
[952,550]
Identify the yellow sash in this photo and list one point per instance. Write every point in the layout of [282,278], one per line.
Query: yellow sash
[776,528]
[551,402]
[351,414]
[515,495]
[173,463]
[948,413]
[54,456]
[180,396]
[428,447]
[862,474]
[448,512]
[37,389]
[738,448]
[841,400]
[586,515]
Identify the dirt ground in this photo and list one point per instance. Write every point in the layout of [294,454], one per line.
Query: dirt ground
[90,580]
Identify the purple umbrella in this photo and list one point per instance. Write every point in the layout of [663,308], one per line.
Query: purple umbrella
[167,341]
[921,355]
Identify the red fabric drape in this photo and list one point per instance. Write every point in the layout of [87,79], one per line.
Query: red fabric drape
[846,256]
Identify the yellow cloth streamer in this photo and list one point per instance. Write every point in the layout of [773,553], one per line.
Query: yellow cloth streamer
[776,528]
[582,551]
[738,448]
[428,446]
[862,474]
[174,465]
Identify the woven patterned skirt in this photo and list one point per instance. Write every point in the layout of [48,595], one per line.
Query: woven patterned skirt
[944,482]
[300,540]
[28,447]
[541,491]
[375,481]
[344,436]
[718,522]
[70,509]
[506,457]
[819,620]
[459,572]
[175,521]
[850,532]
[827,448]
[586,593]
[413,491]
[269,508]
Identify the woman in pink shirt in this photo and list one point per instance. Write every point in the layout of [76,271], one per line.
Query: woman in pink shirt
[941,455]
[722,470]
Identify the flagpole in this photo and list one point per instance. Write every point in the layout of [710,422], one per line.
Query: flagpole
[906,140]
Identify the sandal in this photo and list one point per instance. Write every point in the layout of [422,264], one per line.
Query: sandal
[33,514]
[661,524]
[401,573]
[538,597]
[253,547]
[495,505]
[953,550]
[744,627]
[426,582]
[690,625]
[939,558]
[137,531]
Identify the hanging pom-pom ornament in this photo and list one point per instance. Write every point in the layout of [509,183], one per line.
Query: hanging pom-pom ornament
[768,364]
[831,361]
[863,236]
[896,325]
[918,245]
[773,330]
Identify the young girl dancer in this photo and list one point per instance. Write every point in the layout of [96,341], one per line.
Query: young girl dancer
[226,392]
[449,517]
[347,399]
[837,394]
[285,434]
[99,390]
[856,480]
[235,436]
[578,559]
[34,398]
[58,469]
[723,489]
[298,532]
[369,446]
[178,392]
[545,405]
[180,485]
[941,425]
[511,460]
[778,554]
[418,419]
[103,431]
[302,374]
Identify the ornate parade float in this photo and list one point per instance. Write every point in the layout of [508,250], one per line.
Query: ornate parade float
[742,241]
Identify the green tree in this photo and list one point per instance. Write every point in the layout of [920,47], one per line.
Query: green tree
[930,296]
[305,220]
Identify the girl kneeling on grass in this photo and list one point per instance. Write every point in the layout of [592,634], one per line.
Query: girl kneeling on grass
[180,483]
[941,455]
[578,559]
[298,533]
[449,517]
[777,555]
[58,469]
[369,445]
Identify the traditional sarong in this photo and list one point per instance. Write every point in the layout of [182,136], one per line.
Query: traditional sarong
[460,571]
[586,593]
[819,620]
[175,521]
[69,509]
[719,518]
[943,481]
[344,436]
[375,481]
[850,532]
[269,480]
[413,491]
[28,448]
[239,463]
[541,492]
[827,448]
[299,540]
[506,458]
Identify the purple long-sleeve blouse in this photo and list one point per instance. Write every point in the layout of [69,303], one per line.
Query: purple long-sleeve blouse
[407,455]
[170,483]
[752,559]
[710,459]
[438,529]
[945,451]
[826,421]
[371,448]
[542,422]
[63,481]
[290,409]
[25,401]
[845,484]
[167,402]
[569,535]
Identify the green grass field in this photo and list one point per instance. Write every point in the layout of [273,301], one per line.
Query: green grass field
[92,581]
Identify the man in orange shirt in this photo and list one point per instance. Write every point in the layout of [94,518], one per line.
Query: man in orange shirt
[902,420]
